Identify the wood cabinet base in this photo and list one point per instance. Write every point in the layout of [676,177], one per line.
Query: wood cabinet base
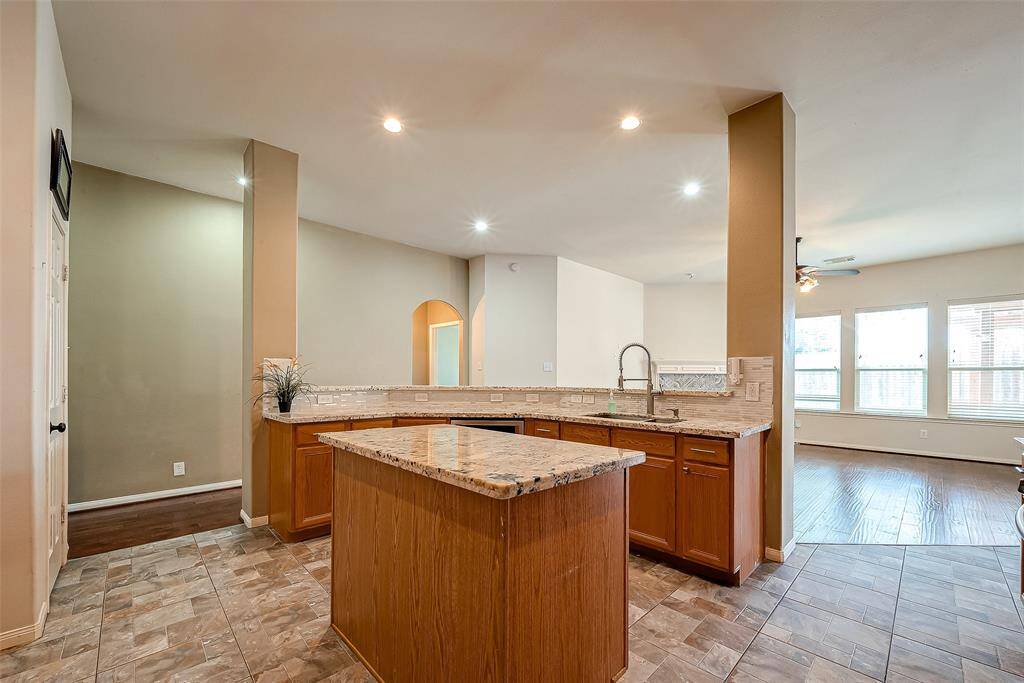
[432,582]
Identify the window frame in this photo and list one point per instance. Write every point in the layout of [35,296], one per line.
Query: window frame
[838,369]
[949,369]
[924,371]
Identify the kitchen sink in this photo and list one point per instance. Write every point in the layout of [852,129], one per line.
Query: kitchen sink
[637,418]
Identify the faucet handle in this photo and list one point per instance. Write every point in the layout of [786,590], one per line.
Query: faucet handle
[674,411]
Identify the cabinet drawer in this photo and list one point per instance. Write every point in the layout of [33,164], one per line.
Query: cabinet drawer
[416,421]
[373,424]
[305,435]
[649,442]
[546,429]
[592,434]
[713,451]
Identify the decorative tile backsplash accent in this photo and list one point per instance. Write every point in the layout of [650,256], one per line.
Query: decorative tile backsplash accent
[692,381]
[725,402]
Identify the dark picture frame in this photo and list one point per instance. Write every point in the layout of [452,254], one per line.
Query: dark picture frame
[60,174]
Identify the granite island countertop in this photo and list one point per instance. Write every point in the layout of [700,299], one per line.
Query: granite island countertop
[702,426]
[493,464]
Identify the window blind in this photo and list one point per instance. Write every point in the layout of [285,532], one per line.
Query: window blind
[892,361]
[986,360]
[817,362]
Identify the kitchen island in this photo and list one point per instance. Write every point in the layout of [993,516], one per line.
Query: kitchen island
[462,554]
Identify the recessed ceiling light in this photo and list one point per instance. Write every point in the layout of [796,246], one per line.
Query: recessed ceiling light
[392,125]
[242,180]
[691,189]
[480,226]
[630,123]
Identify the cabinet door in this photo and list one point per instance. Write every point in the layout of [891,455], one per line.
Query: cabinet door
[652,503]
[704,510]
[314,485]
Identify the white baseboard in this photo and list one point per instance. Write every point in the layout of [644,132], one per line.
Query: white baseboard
[253,521]
[153,495]
[776,555]
[907,451]
[25,634]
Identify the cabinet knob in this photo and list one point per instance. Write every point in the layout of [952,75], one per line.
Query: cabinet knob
[686,470]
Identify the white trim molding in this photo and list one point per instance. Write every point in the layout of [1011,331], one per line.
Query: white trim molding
[907,451]
[26,634]
[776,555]
[153,495]
[252,522]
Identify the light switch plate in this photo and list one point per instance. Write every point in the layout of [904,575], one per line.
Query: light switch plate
[549,366]
[588,398]
[533,398]
[423,396]
[179,469]
[497,398]
[753,391]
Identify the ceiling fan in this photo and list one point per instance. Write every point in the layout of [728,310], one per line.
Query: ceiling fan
[807,276]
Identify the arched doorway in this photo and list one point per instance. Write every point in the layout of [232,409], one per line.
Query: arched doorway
[437,344]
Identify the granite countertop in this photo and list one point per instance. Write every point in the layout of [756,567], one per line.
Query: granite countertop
[490,463]
[425,388]
[703,426]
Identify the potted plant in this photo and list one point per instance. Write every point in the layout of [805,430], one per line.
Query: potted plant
[283,382]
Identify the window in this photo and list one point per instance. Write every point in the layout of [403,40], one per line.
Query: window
[892,361]
[986,360]
[817,362]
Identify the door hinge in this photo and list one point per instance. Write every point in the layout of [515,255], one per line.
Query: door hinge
[65,273]
[64,394]
[63,513]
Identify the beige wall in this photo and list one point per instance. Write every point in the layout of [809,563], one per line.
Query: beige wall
[760,301]
[935,281]
[685,321]
[35,100]
[155,333]
[356,298]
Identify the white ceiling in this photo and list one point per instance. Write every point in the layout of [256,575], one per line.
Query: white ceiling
[910,118]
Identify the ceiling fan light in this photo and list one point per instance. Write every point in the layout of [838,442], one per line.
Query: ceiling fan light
[807,283]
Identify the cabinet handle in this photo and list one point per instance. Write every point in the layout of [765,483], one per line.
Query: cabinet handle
[686,470]
[546,431]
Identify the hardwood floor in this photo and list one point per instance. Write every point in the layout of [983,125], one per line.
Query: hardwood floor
[848,496]
[99,531]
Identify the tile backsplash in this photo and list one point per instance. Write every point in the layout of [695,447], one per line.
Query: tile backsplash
[723,402]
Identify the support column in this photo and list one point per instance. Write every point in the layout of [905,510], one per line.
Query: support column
[761,290]
[270,234]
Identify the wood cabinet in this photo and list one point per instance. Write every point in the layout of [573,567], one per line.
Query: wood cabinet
[376,423]
[705,510]
[301,486]
[581,433]
[417,421]
[652,503]
[546,429]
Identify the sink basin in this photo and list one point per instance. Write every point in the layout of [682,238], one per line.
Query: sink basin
[638,418]
[621,416]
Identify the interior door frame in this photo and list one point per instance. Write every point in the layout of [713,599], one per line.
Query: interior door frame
[57,222]
[430,348]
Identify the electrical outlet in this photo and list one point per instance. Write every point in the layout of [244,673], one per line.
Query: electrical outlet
[549,366]
[753,391]
[575,398]
[924,433]
[533,398]
[324,399]
[588,398]
[179,469]
[422,396]
[497,398]
[796,423]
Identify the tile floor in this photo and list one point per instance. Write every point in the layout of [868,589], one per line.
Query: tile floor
[236,604]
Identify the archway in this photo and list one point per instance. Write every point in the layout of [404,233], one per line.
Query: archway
[437,344]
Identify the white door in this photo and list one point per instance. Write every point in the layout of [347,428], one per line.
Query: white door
[56,397]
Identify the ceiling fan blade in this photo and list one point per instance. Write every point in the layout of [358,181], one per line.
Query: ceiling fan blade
[836,273]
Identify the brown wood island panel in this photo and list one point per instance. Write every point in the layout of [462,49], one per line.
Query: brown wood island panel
[433,582]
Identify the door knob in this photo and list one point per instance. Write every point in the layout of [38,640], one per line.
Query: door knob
[61,428]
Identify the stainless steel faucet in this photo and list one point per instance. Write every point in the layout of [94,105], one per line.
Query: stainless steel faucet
[651,393]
